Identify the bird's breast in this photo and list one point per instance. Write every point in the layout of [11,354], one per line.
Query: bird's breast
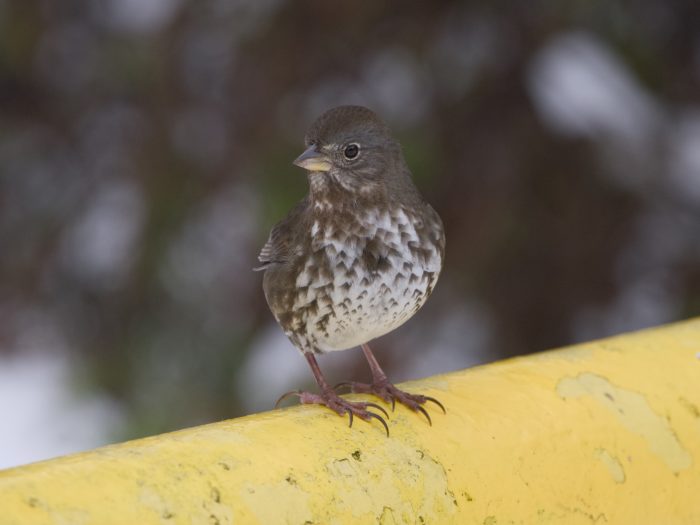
[367,275]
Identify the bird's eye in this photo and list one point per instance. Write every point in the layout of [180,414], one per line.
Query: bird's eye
[351,151]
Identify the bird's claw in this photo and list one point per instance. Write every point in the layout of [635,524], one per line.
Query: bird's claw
[339,405]
[286,395]
[343,384]
[433,400]
[391,394]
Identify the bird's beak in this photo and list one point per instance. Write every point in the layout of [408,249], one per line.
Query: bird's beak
[313,160]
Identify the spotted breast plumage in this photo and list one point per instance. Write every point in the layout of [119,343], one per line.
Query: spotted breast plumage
[357,257]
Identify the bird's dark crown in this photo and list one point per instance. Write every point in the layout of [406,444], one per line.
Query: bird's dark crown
[344,123]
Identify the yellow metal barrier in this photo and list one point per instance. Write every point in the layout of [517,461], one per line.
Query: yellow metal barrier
[604,432]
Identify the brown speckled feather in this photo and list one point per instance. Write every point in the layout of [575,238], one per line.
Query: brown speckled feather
[357,257]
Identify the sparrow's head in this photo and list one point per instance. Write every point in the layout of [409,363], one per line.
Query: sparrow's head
[352,146]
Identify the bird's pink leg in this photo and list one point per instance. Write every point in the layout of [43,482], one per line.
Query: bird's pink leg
[329,398]
[381,387]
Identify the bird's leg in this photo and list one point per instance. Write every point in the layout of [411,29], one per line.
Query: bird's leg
[381,387]
[330,398]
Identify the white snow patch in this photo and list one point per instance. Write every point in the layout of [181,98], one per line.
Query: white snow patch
[42,416]
[579,87]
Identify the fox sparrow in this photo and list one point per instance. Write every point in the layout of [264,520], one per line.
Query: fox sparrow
[356,258]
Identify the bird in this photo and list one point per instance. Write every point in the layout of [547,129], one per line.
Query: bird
[355,259]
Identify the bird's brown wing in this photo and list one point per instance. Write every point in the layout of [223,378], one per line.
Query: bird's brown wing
[280,244]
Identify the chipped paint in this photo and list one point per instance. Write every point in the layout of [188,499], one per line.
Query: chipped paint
[613,465]
[407,480]
[690,407]
[604,432]
[635,414]
[265,500]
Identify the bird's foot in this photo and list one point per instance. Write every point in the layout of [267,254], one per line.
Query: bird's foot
[339,405]
[389,393]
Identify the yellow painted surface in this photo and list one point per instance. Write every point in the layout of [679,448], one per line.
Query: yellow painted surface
[604,432]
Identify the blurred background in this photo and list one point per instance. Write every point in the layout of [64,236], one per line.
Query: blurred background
[146,148]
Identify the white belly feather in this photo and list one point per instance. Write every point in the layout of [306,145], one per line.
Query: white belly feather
[362,310]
